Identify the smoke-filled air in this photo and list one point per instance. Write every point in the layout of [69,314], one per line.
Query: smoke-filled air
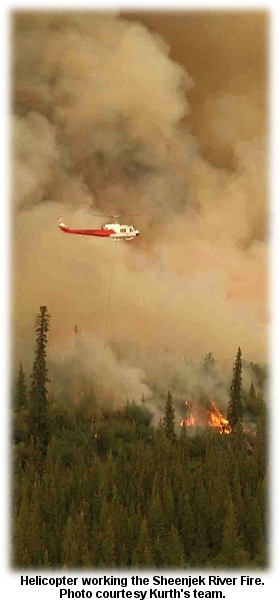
[161,119]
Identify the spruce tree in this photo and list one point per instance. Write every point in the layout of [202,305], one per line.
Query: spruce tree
[235,406]
[169,419]
[21,389]
[46,563]
[237,498]
[20,533]
[28,528]
[156,517]
[107,545]
[261,406]
[252,394]
[167,501]
[184,445]
[142,554]
[208,364]
[159,551]
[20,429]
[38,407]
[253,526]
[251,402]
[175,556]
[70,552]
[233,554]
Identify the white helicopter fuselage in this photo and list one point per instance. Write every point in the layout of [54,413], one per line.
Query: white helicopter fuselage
[121,232]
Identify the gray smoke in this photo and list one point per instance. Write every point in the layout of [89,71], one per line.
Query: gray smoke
[106,122]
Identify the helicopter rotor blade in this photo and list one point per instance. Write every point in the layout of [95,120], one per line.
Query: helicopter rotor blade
[117,216]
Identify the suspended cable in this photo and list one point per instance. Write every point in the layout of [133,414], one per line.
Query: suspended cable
[109,303]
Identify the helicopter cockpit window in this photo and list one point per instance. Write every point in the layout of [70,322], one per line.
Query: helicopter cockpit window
[123,229]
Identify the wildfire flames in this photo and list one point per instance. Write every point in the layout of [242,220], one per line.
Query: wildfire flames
[202,417]
[210,418]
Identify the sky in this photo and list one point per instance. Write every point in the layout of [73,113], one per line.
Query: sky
[151,114]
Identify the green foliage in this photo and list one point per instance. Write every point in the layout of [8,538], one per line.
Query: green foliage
[139,415]
[254,404]
[233,554]
[20,400]
[174,549]
[75,541]
[235,406]
[142,555]
[250,401]
[20,409]
[115,492]
[169,418]
[252,523]
[261,374]
[38,417]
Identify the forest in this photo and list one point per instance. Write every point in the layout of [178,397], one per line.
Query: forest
[95,486]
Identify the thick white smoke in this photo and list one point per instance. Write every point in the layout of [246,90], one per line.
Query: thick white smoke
[102,123]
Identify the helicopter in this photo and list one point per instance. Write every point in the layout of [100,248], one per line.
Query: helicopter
[115,230]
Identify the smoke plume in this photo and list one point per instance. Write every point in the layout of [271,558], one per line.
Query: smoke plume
[123,115]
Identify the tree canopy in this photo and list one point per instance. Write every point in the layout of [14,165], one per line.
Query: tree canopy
[110,488]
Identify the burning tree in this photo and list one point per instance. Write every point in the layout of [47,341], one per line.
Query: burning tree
[216,419]
[208,417]
[235,406]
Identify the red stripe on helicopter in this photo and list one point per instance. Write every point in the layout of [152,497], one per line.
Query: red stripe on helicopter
[96,232]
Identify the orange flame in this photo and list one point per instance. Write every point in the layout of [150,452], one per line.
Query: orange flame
[189,421]
[214,418]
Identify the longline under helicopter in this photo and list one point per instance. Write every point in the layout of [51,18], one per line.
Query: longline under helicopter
[115,230]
